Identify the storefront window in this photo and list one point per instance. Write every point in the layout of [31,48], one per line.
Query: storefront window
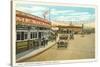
[25,35]
[33,35]
[18,36]
[22,35]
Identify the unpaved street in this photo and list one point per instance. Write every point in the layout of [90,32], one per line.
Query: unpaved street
[79,48]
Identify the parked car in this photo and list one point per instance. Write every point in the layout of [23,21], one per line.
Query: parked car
[62,41]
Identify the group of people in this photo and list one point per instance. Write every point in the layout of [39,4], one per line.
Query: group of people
[44,40]
[70,34]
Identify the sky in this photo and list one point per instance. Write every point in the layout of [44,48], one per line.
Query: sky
[59,13]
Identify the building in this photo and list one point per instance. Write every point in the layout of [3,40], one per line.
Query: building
[67,28]
[75,29]
[32,32]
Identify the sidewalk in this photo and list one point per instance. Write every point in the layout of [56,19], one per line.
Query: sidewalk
[33,52]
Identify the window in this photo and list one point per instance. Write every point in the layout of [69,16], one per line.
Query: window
[33,35]
[21,35]
[18,36]
[25,35]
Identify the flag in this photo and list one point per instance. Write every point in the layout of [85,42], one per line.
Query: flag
[45,13]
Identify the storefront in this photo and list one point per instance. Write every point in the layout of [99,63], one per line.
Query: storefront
[32,32]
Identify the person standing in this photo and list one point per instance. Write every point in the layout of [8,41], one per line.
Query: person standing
[71,35]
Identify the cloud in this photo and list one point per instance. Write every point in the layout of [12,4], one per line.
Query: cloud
[32,9]
[92,24]
[57,12]
[71,15]
[77,18]
[79,13]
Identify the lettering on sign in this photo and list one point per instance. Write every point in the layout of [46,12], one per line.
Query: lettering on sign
[30,21]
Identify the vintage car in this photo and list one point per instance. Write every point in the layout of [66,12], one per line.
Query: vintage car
[62,41]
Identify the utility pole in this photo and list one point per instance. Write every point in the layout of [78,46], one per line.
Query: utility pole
[82,27]
[82,30]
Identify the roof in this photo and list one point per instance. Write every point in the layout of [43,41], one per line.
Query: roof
[69,26]
[20,14]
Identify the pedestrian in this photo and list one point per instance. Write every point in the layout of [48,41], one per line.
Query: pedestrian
[71,35]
